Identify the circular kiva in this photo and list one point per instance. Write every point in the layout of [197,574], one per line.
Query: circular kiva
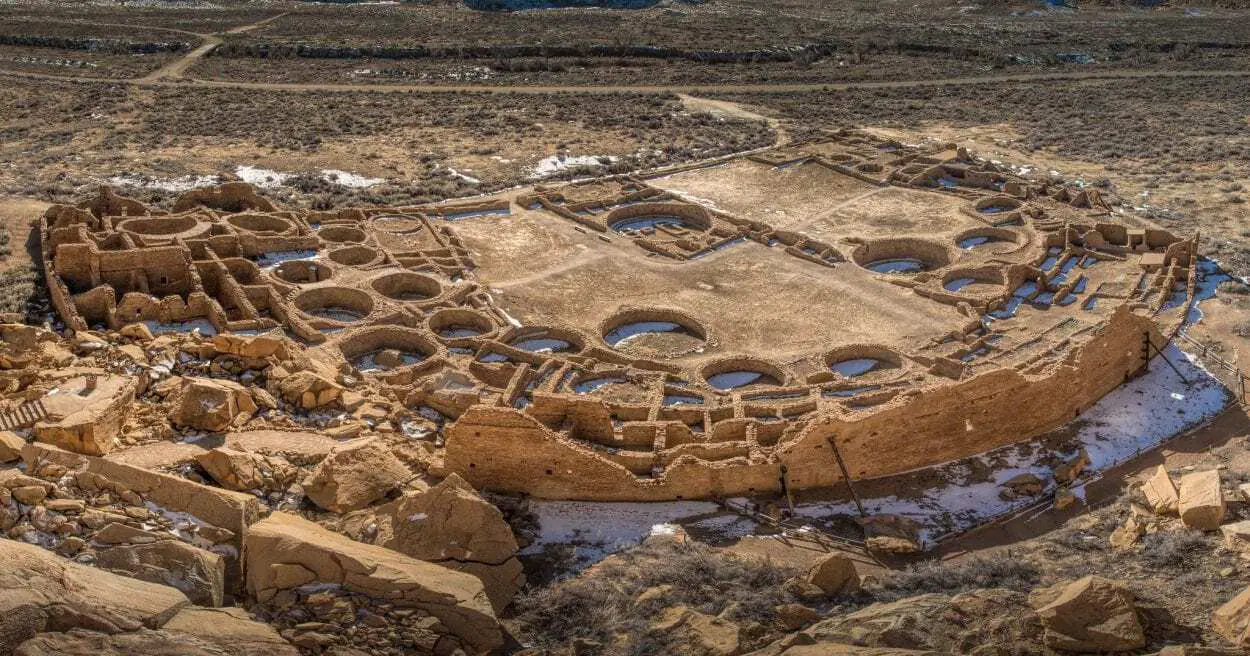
[339,304]
[545,339]
[342,235]
[354,255]
[165,228]
[456,323]
[903,255]
[397,224]
[857,361]
[998,204]
[407,286]
[383,348]
[986,238]
[979,281]
[653,332]
[653,218]
[734,373]
[302,272]
[261,224]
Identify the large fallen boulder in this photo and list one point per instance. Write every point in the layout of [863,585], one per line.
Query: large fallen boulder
[308,390]
[85,415]
[451,524]
[1201,501]
[199,574]
[1089,615]
[213,405]
[689,631]
[244,471]
[893,534]
[43,592]
[192,632]
[835,575]
[284,552]
[354,476]
[1160,493]
[1232,620]
[254,346]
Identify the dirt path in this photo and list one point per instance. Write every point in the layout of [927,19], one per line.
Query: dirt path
[693,89]
[725,108]
[177,68]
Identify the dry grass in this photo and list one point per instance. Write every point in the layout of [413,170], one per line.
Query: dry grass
[603,605]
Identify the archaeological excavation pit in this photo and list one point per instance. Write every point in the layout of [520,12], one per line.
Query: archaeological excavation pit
[302,272]
[354,255]
[386,348]
[454,324]
[738,373]
[407,286]
[858,362]
[342,234]
[340,305]
[659,332]
[671,219]
[546,340]
[262,224]
[901,256]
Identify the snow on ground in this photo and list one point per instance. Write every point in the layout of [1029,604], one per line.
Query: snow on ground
[549,166]
[263,178]
[599,529]
[349,179]
[178,184]
[274,258]
[202,325]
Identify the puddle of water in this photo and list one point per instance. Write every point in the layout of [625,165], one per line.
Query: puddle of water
[947,182]
[734,379]
[1091,303]
[543,345]
[775,397]
[494,357]
[856,367]
[1087,262]
[682,399]
[1026,289]
[1079,287]
[1009,310]
[1049,263]
[896,265]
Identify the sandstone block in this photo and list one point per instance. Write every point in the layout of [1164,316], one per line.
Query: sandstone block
[1201,502]
[1089,615]
[835,575]
[213,405]
[458,600]
[199,574]
[1232,620]
[354,476]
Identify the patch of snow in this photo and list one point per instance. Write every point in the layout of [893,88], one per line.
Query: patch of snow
[201,325]
[549,166]
[179,184]
[467,178]
[274,258]
[600,529]
[349,179]
[263,178]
